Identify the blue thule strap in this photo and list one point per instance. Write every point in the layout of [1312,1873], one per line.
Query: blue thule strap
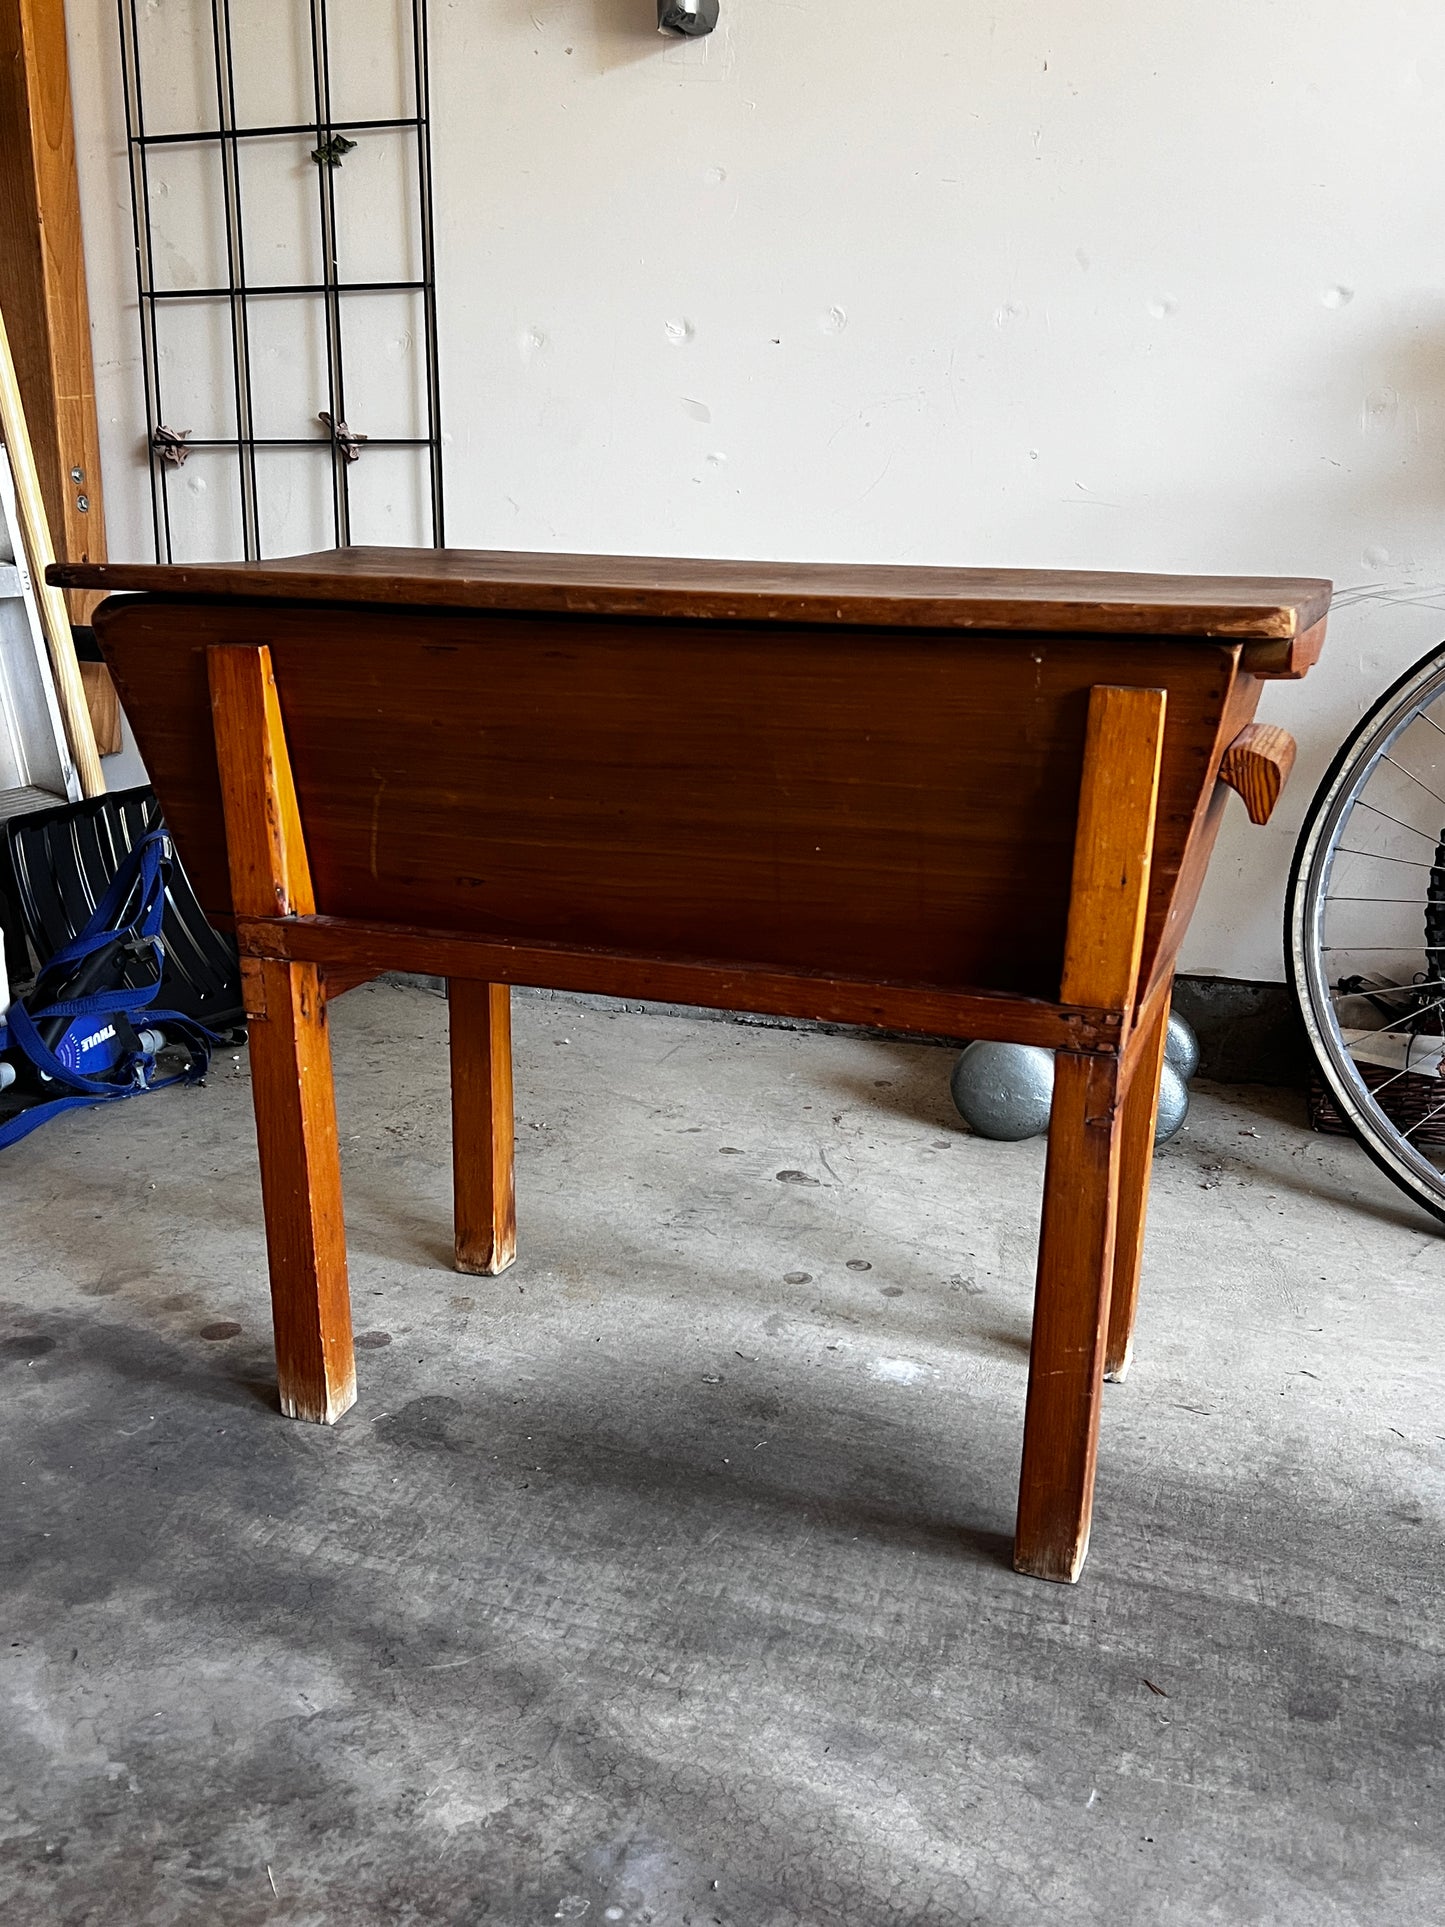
[126,922]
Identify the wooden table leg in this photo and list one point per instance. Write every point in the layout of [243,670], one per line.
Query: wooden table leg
[483,1184]
[291,1085]
[295,1107]
[1113,848]
[1141,1112]
[1071,1313]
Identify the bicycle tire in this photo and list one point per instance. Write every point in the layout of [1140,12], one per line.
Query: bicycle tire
[1360,754]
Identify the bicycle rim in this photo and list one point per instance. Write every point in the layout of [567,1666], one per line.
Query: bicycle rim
[1352,834]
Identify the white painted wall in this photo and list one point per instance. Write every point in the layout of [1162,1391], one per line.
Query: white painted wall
[1140,284]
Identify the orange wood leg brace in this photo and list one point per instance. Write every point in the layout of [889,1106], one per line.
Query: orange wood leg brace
[1071,1312]
[1113,847]
[291,1090]
[1141,1112]
[483,1185]
[291,1083]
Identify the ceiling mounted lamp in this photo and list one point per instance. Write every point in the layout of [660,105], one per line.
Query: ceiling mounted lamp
[691,17]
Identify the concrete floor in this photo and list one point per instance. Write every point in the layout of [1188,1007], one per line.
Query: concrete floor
[666,1578]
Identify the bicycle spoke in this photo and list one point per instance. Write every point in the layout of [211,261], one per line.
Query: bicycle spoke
[1399,821]
[1384,1085]
[1421,1122]
[1386,990]
[1379,856]
[1409,1016]
[1387,758]
[1425,1010]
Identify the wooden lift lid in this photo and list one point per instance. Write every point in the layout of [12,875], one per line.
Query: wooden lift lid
[1233,608]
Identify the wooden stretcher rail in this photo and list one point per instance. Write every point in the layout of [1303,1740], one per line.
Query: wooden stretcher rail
[358,950]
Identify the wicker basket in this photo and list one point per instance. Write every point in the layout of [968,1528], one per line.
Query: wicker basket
[1405,1101]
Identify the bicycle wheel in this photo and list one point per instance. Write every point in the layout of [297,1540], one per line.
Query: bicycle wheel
[1365,931]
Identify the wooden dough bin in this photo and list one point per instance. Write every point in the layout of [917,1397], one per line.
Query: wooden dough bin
[950,802]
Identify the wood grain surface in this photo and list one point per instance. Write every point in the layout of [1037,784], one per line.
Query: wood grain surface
[54,615]
[978,830]
[483,1180]
[1290,659]
[747,795]
[292,1095]
[1051,602]
[102,706]
[362,950]
[1081,1182]
[290,1053]
[1142,1071]
[1187,881]
[1071,1312]
[1257,765]
[42,286]
[270,870]
[1113,845]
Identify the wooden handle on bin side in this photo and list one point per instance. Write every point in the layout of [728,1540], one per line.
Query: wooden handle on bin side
[1257,765]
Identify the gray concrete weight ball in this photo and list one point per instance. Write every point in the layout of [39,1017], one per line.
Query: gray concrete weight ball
[1173,1104]
[1004,1090]
[1181,1047]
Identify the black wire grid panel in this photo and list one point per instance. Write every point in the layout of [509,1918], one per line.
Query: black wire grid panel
[334,137]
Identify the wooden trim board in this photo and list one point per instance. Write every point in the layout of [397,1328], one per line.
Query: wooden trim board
[44,286]
[921,1010]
